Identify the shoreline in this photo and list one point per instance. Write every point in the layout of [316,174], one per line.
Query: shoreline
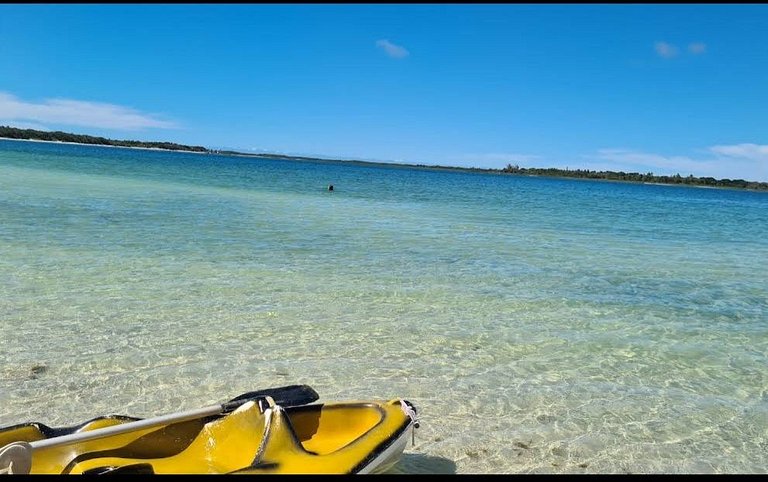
[388,164]
[105,145]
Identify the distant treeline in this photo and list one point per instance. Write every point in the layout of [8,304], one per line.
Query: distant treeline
[14,133]
[32,134]
[637,177]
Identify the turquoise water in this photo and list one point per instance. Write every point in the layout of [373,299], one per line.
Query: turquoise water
[539,325]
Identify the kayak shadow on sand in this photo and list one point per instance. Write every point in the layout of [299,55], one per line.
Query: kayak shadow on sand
[423,464]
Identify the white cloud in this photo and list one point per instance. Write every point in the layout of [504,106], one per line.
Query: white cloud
[739,161]
[666,50]
[76,112]
[697,48]
[749,161]
[391,49]
[752,152]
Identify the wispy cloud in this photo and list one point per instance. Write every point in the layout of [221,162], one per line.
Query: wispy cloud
[395,51]
[738,161]
[666,50]
[697,48]
[77,113]
[751,152]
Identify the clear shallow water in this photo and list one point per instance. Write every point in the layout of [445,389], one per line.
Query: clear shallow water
[539,325]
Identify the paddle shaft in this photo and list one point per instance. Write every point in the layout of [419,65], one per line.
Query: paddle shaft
[128,427]
[143,424]
[16,457]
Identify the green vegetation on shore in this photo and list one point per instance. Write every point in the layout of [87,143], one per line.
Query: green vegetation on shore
[58,136]
[690,180]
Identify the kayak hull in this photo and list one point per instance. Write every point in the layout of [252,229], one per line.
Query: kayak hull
[256,438]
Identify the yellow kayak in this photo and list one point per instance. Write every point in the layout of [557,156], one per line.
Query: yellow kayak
[272,431]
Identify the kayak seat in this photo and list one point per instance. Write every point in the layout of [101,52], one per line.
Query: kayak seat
[328,430]
[223,445]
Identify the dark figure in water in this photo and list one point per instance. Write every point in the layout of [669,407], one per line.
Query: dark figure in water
[330,187]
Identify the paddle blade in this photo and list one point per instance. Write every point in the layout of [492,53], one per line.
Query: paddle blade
[288,396]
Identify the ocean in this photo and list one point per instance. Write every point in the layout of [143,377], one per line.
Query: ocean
[539,325]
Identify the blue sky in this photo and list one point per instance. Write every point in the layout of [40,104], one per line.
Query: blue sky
[643,88]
